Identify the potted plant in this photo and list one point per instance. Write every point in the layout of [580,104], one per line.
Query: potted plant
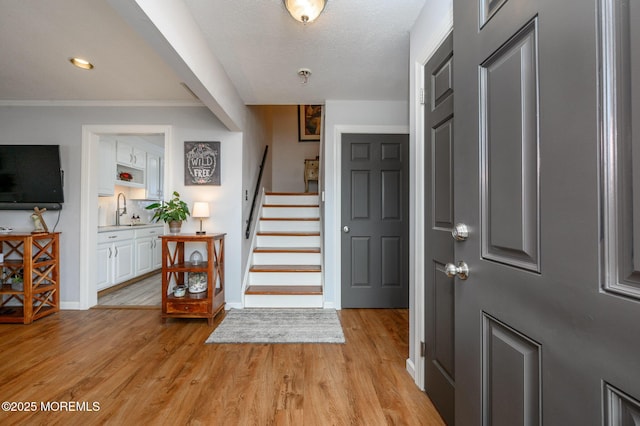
[172,212]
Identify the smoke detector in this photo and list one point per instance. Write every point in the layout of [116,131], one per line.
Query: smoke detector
[304,74]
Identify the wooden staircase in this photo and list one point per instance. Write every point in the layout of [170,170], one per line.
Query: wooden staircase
[286,263]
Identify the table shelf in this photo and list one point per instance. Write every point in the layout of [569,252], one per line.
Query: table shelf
[35,259]
[205,304]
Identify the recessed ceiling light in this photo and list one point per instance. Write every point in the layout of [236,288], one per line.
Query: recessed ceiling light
[81,63]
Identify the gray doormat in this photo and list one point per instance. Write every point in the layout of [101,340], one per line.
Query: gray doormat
[269,325]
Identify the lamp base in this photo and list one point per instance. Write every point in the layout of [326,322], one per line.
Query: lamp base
[200,232]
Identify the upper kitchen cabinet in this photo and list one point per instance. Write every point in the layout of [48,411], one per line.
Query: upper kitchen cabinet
[135,161]
[106,167]
[155,174]
[129,155]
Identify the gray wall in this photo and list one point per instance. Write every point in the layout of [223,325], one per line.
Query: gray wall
[62,125]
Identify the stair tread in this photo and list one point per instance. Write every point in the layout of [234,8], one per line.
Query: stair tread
[286,250]
[285,268]
[288,234]
[284,289]
[291,193]
[292,218]
[291,205]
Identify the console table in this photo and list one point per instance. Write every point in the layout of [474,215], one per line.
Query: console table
[29,276]
[175,272]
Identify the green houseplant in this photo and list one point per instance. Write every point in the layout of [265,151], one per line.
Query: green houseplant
[172,212]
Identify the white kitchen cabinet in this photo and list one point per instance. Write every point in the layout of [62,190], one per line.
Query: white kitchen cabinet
[144,247]
[123,261]
[156,252]
[115,257]
[106,167]
[154,180]
[131,156]
[147,246]
[104,266]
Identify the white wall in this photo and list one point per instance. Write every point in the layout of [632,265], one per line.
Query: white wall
[62,125]
[431,27]
[288,153]
[349,117]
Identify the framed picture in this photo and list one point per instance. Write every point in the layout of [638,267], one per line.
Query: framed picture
[309,122]
[202,163]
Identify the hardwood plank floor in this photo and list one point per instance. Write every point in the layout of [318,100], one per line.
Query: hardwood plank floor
[146,292]
[141,371]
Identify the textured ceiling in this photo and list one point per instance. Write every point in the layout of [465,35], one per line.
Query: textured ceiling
[37,37]
[357,49]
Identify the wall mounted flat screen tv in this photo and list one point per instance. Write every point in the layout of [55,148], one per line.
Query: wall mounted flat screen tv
[30,176]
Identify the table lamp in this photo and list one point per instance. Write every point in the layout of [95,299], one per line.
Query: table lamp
[200,211]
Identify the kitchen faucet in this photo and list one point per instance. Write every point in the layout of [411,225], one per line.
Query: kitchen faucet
[124,209]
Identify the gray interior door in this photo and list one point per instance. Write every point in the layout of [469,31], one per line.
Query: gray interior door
[439,214]
[547,128]
[375,220]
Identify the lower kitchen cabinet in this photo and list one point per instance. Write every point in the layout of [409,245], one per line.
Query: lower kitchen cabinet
[148,250]
[115,258]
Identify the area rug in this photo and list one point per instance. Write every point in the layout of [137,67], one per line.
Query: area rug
[270,325]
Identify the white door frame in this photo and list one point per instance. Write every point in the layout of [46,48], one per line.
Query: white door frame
[416,264]
[89,198]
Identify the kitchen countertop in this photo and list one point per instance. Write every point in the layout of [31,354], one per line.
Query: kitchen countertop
[110,228]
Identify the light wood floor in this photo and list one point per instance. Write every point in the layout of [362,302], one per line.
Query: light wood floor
[141,371]
[147,292]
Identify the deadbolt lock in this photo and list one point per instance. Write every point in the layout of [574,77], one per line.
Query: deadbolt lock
[460,232]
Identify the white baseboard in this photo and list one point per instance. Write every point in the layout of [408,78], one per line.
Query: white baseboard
[235,305]
[70,306]
[411,368]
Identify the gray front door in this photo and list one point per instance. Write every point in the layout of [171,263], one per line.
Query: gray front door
[375,220]
[439,213]
[547,129]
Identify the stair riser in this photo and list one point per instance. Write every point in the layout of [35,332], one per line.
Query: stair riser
[285,278]
[290,226]
[286,212]
[282,301]
[287,259]
[292,199]
[287,241]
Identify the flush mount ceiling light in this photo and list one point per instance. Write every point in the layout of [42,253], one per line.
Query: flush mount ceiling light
[304,10]
[81,63]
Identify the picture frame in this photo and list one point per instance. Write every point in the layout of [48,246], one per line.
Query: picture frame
[309,123]
[202,163]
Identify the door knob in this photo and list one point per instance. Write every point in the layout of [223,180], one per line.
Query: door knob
[460,232]
[346,229]
[461,270]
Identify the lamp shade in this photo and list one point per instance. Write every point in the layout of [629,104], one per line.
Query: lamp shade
[304,10]
[200,209]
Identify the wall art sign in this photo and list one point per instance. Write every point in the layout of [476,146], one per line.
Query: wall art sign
[202,163]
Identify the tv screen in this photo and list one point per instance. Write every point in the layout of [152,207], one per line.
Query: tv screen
[30,176]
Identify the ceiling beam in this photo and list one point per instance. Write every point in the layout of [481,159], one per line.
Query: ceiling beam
[171,31]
